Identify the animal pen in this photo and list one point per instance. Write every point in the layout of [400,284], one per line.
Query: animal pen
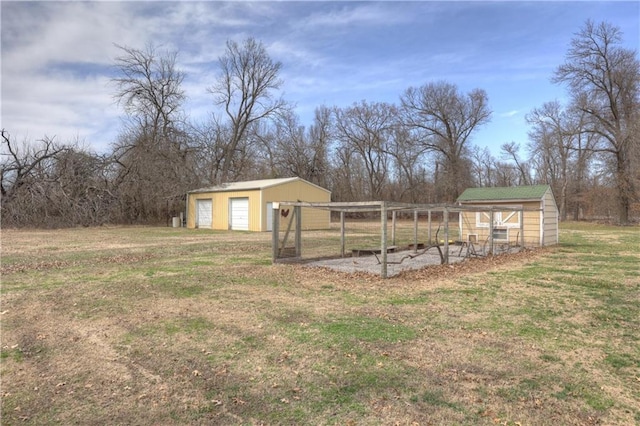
[388,238]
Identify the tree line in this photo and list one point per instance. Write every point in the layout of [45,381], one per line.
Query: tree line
[418,150]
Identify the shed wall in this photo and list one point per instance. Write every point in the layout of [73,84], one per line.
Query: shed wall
[550,219]
[477,223]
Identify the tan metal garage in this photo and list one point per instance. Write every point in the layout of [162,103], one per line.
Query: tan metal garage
[247,206]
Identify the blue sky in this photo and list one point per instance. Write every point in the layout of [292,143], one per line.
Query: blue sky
[57,57]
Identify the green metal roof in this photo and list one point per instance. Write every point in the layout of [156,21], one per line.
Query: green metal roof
[533,192]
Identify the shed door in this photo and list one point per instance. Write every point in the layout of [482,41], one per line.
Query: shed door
[204,211]
[239,214]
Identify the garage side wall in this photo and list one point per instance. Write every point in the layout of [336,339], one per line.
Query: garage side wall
[299,191]
[221,202]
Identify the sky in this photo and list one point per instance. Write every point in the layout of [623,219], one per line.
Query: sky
[58,57]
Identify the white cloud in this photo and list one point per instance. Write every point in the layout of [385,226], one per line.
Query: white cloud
[347,15]
[510,113]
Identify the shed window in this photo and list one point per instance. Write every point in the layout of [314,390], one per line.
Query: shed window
[500,234]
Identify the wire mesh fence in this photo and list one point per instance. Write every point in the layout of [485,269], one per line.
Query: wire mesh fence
[359,230]
[392,232]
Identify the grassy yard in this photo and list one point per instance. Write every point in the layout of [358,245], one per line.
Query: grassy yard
[135,325]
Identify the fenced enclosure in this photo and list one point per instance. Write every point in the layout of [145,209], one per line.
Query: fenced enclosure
[384,237]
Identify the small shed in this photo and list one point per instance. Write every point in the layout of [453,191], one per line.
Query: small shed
[534,205]
[248,205]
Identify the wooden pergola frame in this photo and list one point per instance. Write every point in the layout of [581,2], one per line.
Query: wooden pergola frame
[384,207]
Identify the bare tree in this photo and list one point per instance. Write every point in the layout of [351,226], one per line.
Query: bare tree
[245,92]
[49,184]
[320,137]
[561,150]
[506,174]
[20,162]
[604,83]
[79,190]
[550,150]
[367,129]
[150,88]
[209,139]
[153,151]
[444,120]
[411,179]
[348,181]
[292,150]
[511,151]
[483,167]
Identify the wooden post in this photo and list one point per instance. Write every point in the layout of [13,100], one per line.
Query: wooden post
[491,231]
[275,232]
[446,235]
[429,225]
[415,231]
[393,228]
[383,239]
[298,212]
[342,234]
[521,213]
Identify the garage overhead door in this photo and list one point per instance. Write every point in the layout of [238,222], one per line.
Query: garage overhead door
[204,209]
[239,214]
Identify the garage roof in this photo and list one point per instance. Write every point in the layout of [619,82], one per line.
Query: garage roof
[251,185]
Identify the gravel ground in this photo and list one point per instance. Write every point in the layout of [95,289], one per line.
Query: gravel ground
[396,262]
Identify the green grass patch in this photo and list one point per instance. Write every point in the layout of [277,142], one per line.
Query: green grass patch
[622,360]
[365,329]
[14,354]
[436,398]
[418,299]
[188,326]
[197,325]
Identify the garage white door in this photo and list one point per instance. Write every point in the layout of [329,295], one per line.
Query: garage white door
[204,212]
[239,214]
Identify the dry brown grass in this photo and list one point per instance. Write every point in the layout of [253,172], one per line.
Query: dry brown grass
[163,326]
